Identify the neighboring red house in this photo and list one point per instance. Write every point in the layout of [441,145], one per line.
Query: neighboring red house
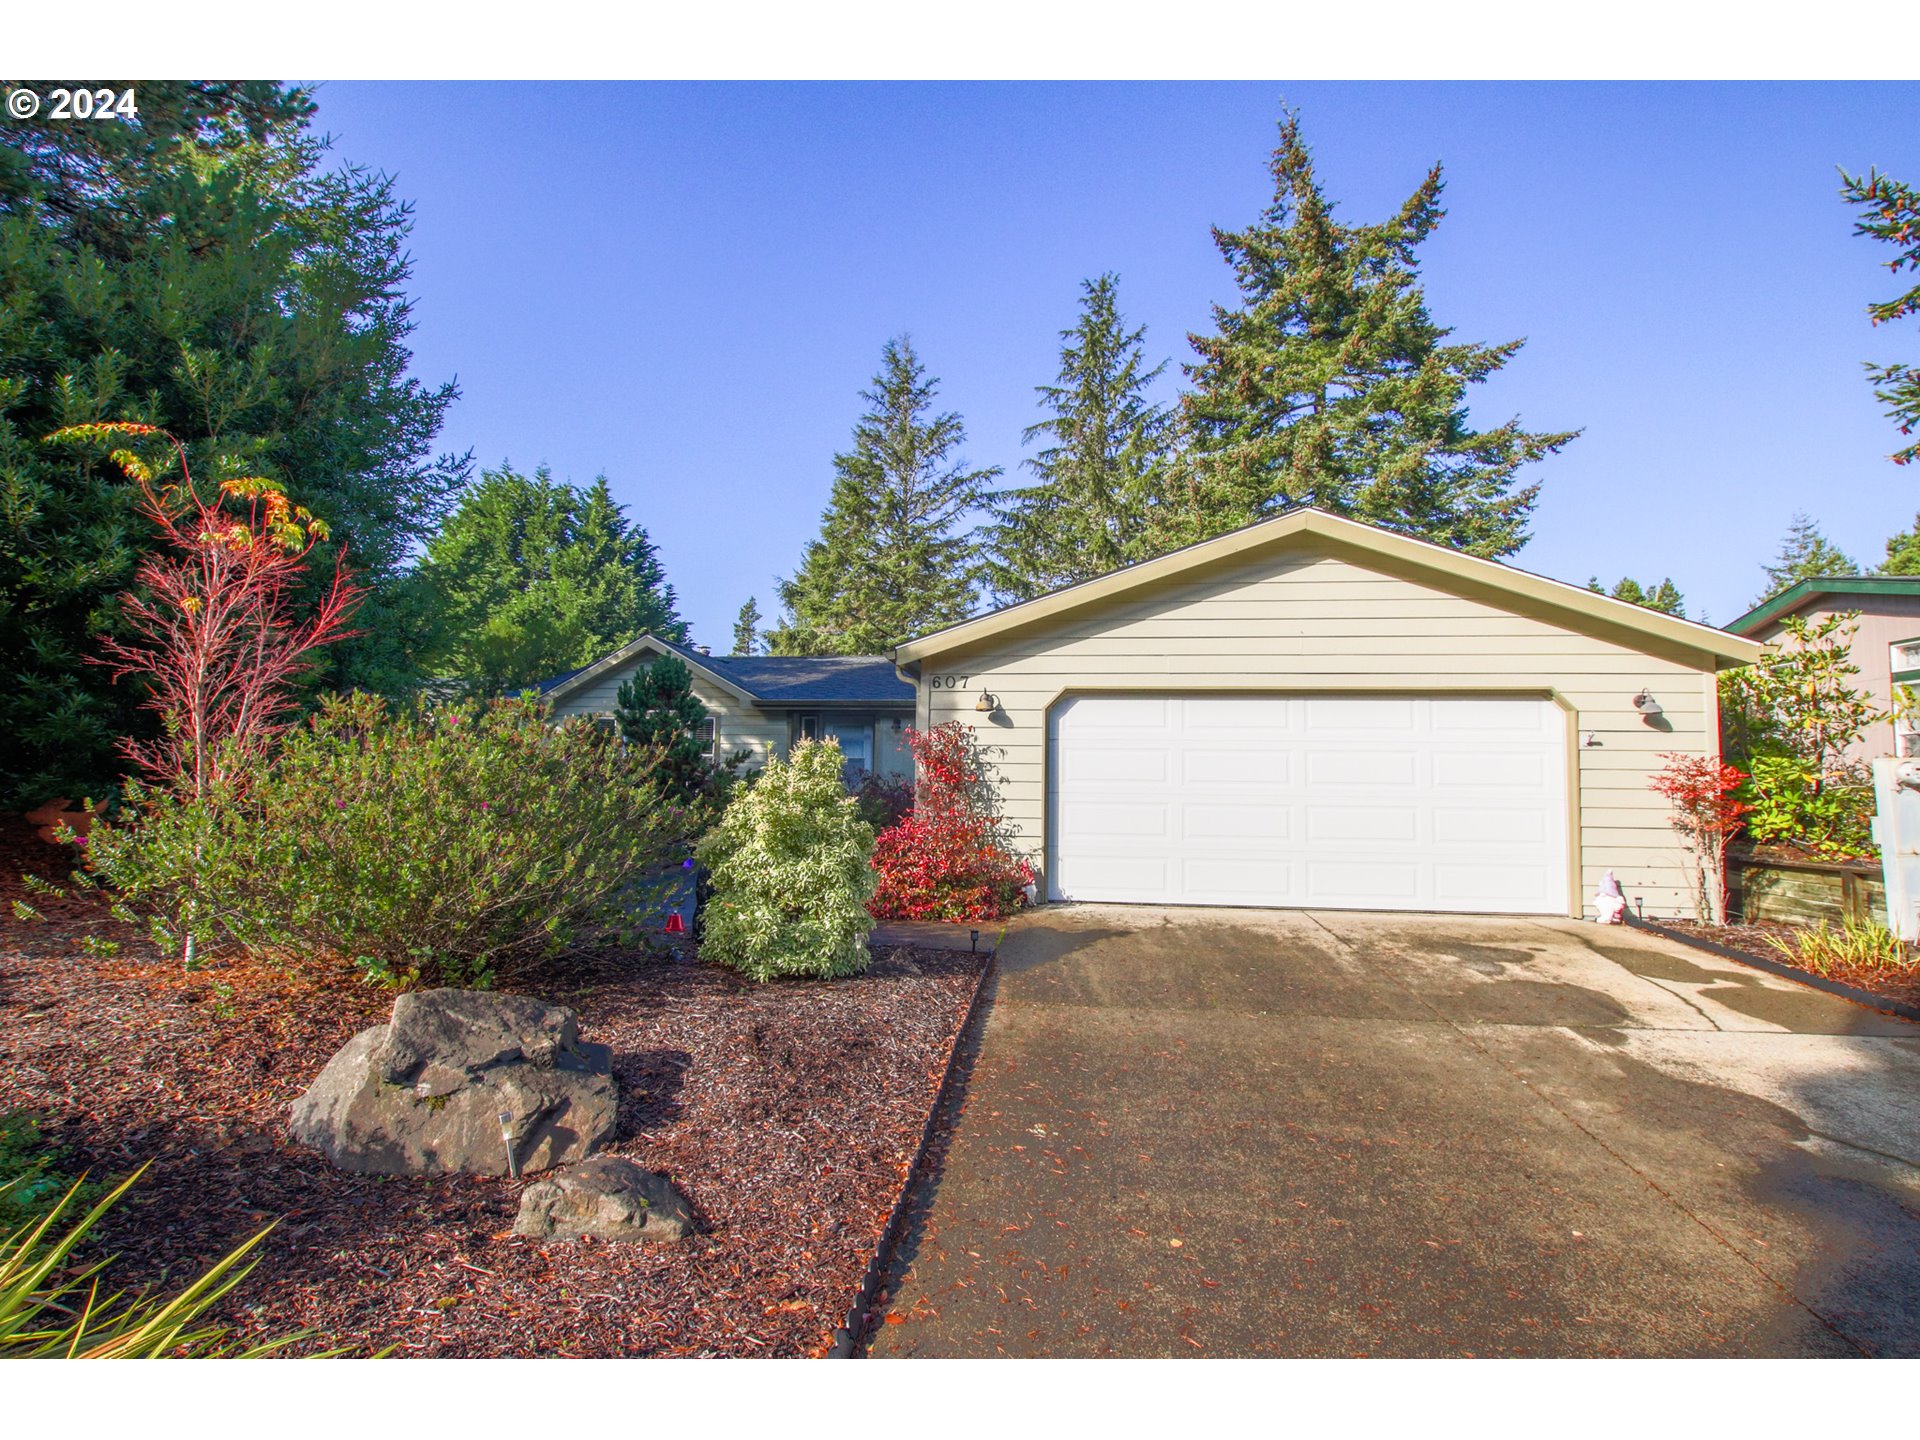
[1886,643]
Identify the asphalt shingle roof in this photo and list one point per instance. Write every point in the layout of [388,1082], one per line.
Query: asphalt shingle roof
[795,679]
[803,679]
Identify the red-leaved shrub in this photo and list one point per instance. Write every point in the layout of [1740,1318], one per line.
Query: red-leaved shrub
[1701,790]
[948,858]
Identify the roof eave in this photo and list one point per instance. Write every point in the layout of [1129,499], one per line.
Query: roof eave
[776,702]
[1803,593]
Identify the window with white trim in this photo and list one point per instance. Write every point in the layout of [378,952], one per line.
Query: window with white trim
[1903,660]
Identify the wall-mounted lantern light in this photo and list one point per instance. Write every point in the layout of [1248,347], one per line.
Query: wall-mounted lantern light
[1647,705]
[986,704]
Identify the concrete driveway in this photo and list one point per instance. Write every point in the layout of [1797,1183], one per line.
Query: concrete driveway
[1287,1133]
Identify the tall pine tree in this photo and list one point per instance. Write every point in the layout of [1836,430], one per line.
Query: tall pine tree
[891,561]
[1664,597]
[1903,552]
[531,577]
[1088,509]
[1890,212]
[1805,554]
[746,628]
[1330,385]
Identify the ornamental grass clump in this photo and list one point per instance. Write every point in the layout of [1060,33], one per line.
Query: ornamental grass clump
[50,1311]
[439,845]
[1856,947]
[791,873]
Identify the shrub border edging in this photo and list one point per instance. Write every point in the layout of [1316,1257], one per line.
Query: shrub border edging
[847,1337]
[1786,972]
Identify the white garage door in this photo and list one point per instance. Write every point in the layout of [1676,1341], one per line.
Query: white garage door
[1339,802]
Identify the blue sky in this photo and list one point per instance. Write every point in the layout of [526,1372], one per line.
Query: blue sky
[684,286]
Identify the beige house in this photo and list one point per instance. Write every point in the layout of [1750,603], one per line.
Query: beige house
[1886,644]
[1313,712]
[761,704]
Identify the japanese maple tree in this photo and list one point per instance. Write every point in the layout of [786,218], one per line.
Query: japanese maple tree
[1700,788]
[220,626]
[949,858]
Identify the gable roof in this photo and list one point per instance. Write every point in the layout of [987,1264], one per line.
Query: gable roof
[762,679]
[1448,569]
[644,644]
[1806,592]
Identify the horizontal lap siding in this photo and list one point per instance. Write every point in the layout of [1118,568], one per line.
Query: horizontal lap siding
[1324,623]
[741,726]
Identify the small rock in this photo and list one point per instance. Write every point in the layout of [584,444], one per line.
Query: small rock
[608,1198]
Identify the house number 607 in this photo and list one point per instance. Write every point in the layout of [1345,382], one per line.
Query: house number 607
[950,682]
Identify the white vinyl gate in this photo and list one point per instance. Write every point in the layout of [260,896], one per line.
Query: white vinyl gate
[1353,802]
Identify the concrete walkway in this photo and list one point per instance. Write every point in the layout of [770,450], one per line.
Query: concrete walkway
[1285,1133]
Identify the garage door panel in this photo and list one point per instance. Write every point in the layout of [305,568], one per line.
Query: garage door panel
[1202,823]
[1117,714]
[1475,717]
[1482,771]
[1112,764]
[1371,769]
[1417,802]
[1256,713]
[1360,713]
[1501,826]
[1361,884]
[1263,766]
[1229,881]
[1117,874]
[1335,822]
[1468,886]
[1117,818]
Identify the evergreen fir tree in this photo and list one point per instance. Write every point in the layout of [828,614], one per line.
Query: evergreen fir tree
[1890,212]
[1087,512]
[207,268]
[1903,552]
[1805,554]
[889,563]
[746,628]
[1664,597]
[531,577]
[657,709]
[1331,385]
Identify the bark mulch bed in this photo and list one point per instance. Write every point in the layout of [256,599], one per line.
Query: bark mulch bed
[788,1113]
[1903,989]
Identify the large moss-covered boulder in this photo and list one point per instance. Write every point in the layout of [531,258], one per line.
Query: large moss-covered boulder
[462,1082]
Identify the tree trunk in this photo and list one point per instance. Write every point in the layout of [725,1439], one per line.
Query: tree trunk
[1716,877]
